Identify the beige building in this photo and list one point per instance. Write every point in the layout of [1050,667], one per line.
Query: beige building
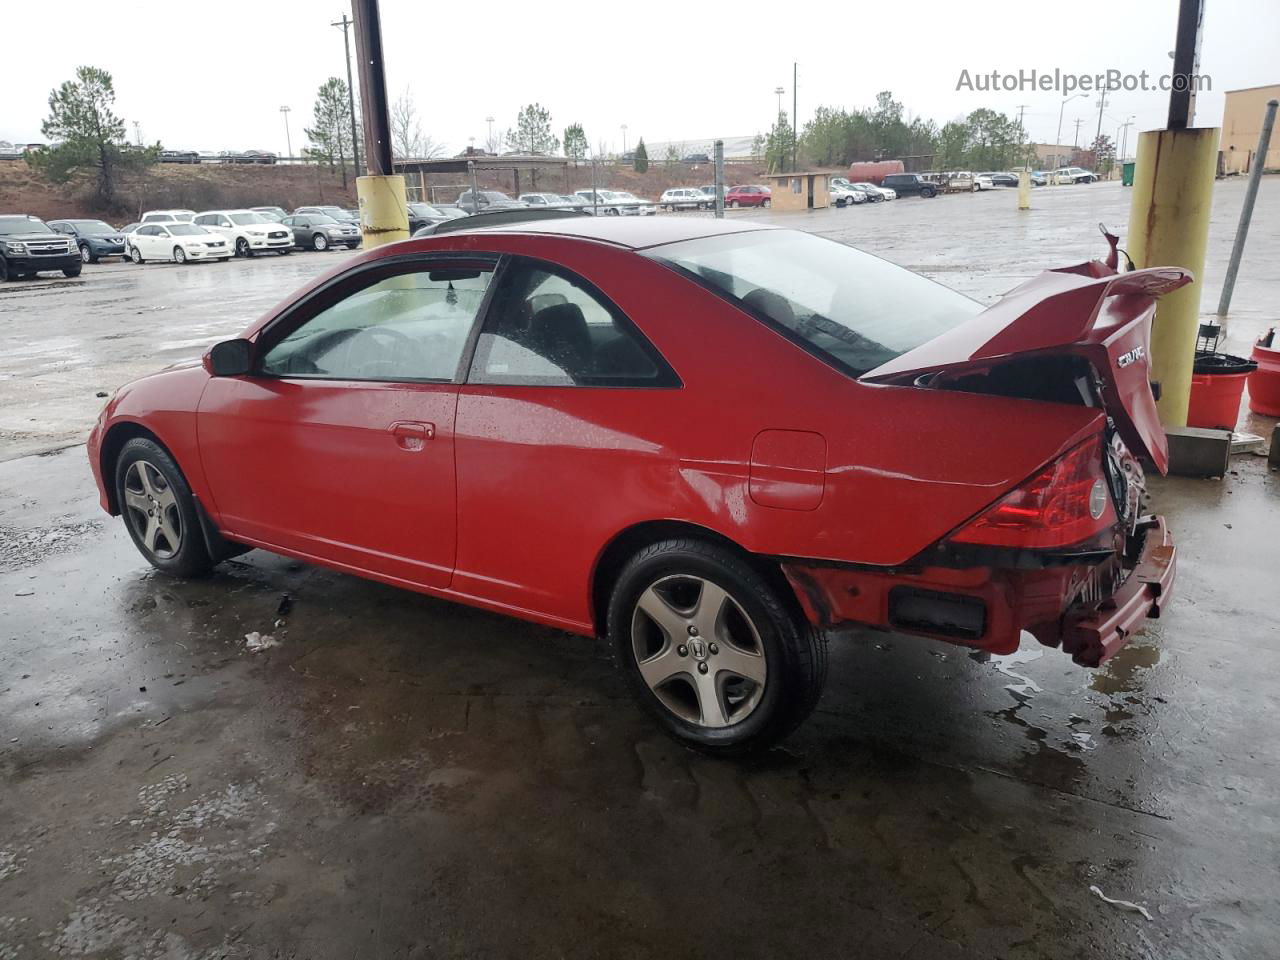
[1241,124]
[799,191]
[1050,156]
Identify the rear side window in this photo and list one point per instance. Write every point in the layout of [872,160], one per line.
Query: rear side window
[549,327]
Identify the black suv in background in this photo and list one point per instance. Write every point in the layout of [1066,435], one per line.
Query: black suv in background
[907,184]
[28,246]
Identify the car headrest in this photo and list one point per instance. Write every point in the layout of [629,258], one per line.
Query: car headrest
[560,334]
[772,305]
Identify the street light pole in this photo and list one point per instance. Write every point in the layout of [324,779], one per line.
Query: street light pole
[288,142]
[489,144]
[345,23]
[624,138]
[1057,141]
[779,91]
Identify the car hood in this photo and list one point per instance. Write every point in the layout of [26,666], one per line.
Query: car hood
[1086,310]
[32,237]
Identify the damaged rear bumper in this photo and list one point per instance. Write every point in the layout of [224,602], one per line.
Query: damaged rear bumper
[989,607]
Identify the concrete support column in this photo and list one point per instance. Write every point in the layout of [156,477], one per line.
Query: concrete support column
[1169,226]
[384,214]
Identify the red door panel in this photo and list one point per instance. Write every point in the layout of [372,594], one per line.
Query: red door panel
[356,473]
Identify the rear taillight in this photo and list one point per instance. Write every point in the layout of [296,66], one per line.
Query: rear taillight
[1066,503]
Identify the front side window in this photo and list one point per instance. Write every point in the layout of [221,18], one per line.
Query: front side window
[409,326]
[851,309]
[548,327]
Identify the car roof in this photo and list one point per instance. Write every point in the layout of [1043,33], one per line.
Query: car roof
[633,233]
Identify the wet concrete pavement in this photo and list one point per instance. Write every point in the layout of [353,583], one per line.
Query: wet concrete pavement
[402,777]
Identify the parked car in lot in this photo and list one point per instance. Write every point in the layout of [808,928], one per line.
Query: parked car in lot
[340,214]
[1074,175]
[748,195]
[315,231]
[247,232]
[544,201]
[177,243]
[572,201]
[708,191]
[28,246]
[271,213]
[1000,179]
[1009,496]
[844,195]
[168,216]
[910,185]
[684,198]
[960,181]
[874,192]
[95,239]
[634,206]
[605,203]
[424,214]
[487,200]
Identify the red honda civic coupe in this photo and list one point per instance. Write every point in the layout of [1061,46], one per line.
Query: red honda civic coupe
[710,443]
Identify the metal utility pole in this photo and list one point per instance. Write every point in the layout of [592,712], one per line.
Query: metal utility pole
[624,138]
[288,141]
[1169,222]
[137,131]
[384,211]
[1246,212]
[779,91]
[1075,141]
[718,156]
[1125,142]
[795,120]
[345,23]
[1186,62]
[1102,102]
[489,144]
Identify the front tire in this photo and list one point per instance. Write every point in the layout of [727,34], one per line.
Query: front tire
[242,248]
[722,660]
[319,243]
[5,277]
[135,255]
[179,256]
[70,272]
[159,511]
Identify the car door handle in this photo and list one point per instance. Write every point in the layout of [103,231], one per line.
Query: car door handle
[411,435]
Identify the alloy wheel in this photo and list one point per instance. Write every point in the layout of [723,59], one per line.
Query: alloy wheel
[319,242]
[242,248]
[152,509]
[85,255]
[179,255]
[698,651]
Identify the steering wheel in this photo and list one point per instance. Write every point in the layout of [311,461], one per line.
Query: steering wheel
[395,344]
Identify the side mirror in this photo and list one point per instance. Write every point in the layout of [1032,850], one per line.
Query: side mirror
[231,358]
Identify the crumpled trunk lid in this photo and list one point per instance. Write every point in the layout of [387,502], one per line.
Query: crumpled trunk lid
[1087,311]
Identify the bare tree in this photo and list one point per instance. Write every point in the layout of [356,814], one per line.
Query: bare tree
[406,131]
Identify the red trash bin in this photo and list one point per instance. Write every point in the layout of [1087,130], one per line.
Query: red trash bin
[1264,383]
[1217,384]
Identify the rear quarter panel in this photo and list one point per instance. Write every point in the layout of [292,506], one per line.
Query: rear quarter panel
[548,476]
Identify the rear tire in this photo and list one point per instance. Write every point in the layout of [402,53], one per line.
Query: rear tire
[766,204]
[159,511]
[733,204]
[928,192]
[4,271]
[86,254]
[752,668]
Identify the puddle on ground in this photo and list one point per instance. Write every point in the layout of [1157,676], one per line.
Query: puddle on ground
[1025,686]
[1123,672]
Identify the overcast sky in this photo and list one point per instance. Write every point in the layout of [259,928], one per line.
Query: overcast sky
[213,77]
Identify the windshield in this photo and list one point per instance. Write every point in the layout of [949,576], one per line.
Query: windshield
[93,226]
[493,195]
[244,219]
[185,229]
[320,219]
[853,310]
[424,210]
[333,211]
[22,225]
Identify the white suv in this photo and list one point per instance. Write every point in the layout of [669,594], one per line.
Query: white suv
[246,231]
[684,198]
[167,216]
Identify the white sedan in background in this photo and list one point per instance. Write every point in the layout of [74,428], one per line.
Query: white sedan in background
[176,243]
[843,195]
[634,206]
[246,231]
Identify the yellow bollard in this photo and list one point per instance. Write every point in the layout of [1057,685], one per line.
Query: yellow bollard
[384,211]
[1169,227]
[1024,190]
